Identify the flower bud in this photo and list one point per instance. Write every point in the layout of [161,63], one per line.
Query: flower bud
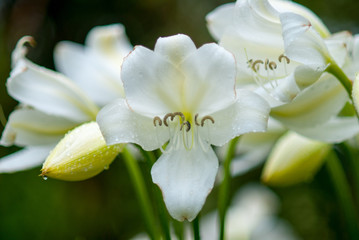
[355,93]
[81,154]
[294,159]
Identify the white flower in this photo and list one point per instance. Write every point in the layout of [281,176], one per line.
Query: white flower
[50,103]
[186,97]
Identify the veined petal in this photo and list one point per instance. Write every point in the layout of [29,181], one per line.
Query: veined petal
[30,127]
[220,19]
[49,92]
[336,130]
[302,43]
[185,178]
[75,61]
[314,105]
[119,124]
[248,114]
[24,159]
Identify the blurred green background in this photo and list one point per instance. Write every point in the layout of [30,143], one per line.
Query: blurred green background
[105,207]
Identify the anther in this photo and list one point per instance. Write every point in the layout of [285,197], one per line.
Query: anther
[167,116]
[195,119]
[157,119]
[285,57]
[206,118]
[272,65]
[255,63]
[249,62]
[178,114]
[187,124]
[266,62]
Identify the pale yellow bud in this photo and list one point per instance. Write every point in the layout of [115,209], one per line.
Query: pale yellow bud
[81,154]
[294,159]
[355,93]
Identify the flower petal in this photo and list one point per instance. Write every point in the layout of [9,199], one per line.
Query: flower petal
[80,66]
[302,43]
[49,92]
[119,124]
[185,178]
[336,130]
[29,127]
[219,19]
[24,159]
[314,105]
[248,114]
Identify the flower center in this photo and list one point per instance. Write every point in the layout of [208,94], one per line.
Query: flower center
[184,129]
[265,73]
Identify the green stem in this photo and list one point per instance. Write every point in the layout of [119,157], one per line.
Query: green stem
[196,231]
[342,189]
[342,77]
[142,195]
[223,200]
[151,159]
[178,229]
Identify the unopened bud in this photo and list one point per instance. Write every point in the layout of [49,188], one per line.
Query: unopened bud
[294,159]
[80,155]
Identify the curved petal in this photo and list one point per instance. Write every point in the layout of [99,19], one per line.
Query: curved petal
[248,114]
[185,178]
[220,19]
[302,43]
[24,159]
[80,66]
[337,45]
[49,92]
[336,130]
[314,105]
[119,124]
[29,127]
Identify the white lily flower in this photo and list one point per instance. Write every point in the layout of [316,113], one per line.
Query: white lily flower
[50,103]
[184,96]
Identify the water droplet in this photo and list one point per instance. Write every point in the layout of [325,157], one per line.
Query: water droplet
[106,167]
[44,177]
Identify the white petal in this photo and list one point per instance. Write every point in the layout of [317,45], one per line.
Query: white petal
[337,45]
[302,43]
[24,159]
[79,65]
[248,114]
[49,92]
[185,178]
[175,48]
[119,124]
[31,127]
[210,79]
[219,19]
[336,130]
[314,105]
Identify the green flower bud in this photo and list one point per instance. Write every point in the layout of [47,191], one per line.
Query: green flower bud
[81,154]
[294,159]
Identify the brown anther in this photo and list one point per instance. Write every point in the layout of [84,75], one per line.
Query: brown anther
[178,114]
[187,124]
[195,119]
[272,65]
[255,64]
[266,62]
[157,119]
[206,118]
[285,57]
[167,116]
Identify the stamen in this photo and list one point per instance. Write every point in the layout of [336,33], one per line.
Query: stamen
[249,62]
[266,62]
[206,118]
[272,66]
[157,119]
[195,119]
[167,116]
[187,124]
[178,114]
[285,57]
[255,69]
